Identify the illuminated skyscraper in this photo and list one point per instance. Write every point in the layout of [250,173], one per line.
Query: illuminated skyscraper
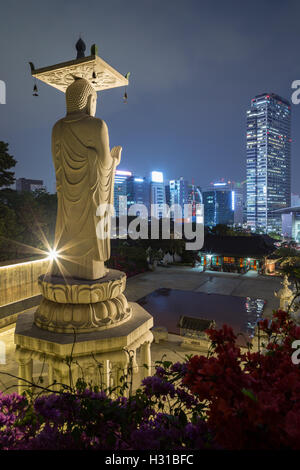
[178,190]
[268,161]
[219,204]
[138,191]
[157,194]
[195,200]
[120,191]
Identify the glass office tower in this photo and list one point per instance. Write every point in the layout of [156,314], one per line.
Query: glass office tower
[178,194]
[219,204]
[120,191]
[138,191]
[157,194]
[268,161]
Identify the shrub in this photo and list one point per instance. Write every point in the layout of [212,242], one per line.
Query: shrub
[229,399]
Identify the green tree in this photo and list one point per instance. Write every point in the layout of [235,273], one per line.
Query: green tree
[27,220]
[7,162]
[225,230]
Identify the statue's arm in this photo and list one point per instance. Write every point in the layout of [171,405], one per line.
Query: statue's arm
[107,156]
[116,154]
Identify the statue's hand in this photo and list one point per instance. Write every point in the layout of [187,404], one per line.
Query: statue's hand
[116,154]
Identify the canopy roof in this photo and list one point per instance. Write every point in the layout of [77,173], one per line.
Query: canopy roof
[94,69]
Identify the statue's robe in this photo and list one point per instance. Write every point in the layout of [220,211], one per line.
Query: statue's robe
[85,174]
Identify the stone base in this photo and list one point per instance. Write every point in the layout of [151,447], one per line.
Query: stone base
[81,305]
[98,356]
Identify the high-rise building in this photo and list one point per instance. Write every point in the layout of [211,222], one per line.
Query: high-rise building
[219,204]
[178,194]
[120,191]
[195,201]
[157,194]
[168,194]
[27,185]
[138,191]
[290,217]
[268,161]
[295,200]
[238,189]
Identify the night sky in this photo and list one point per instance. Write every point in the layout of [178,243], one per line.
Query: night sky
[195,65]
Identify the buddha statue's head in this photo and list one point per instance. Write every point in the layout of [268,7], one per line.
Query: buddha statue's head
[81,97]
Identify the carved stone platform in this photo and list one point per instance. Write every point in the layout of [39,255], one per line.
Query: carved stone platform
[105,347]
[82,305]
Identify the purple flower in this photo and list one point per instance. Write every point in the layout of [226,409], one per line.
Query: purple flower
[155,385]
[186,398]
[180,368]
[160,371]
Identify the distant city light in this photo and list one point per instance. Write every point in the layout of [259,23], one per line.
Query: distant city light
[232,200]
[138,180]
[157,177]
[220,184]
[122,172]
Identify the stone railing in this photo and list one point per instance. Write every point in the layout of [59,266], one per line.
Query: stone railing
[19,280]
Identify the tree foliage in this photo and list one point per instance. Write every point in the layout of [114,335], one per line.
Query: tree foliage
[27,220]
[7,162]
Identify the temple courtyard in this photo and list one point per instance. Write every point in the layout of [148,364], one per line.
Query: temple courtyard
[250,284]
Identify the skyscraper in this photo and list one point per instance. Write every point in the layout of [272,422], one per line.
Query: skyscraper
[138,191]
[238,189]
[120,189]
[157,194]
[219,204]
[178,194]
[195,200]
[268,161]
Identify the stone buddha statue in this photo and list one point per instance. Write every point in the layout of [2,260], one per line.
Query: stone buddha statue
[85,172]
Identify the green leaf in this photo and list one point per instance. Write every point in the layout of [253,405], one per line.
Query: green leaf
[249,394]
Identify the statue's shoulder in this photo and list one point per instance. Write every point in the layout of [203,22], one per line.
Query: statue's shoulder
[56,126]
[98,125]
[97,122]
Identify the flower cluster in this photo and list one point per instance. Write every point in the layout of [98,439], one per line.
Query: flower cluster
[89,419]
[253,398]
[230,399]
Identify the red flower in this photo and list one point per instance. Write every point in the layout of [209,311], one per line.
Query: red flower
[252,398]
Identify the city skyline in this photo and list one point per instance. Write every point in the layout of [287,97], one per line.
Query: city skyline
[173,116]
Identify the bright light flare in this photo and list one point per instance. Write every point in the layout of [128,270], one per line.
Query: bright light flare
[53,255]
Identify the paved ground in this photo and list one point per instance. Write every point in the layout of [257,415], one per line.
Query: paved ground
[185,278]
[249,285]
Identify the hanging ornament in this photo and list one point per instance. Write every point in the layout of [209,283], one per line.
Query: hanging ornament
[125,97]
[35,90]
[94,76]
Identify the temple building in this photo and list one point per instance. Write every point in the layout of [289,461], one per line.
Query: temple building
[235,253]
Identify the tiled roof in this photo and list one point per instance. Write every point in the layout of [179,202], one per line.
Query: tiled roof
[253,246]
[192,323]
